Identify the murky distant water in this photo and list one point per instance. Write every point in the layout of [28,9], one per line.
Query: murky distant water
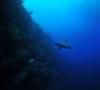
[77,21]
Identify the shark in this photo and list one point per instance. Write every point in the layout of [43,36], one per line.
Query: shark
[64,45]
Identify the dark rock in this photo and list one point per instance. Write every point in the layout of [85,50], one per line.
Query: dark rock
[27,54]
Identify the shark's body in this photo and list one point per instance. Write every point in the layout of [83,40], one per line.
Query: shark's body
[63,45]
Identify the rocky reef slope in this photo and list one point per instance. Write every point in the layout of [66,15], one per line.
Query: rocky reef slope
[27,54]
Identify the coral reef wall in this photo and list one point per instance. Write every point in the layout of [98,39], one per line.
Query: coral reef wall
[27,54]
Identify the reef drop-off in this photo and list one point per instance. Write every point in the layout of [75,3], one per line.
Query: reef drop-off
[27,55]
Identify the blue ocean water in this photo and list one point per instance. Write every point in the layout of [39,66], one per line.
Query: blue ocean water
[77,21]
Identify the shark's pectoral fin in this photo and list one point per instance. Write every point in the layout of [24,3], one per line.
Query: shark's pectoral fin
[59,48]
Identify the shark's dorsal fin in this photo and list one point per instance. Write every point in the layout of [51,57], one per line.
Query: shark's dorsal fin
[66,41]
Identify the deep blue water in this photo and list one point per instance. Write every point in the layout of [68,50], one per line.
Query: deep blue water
[77,21]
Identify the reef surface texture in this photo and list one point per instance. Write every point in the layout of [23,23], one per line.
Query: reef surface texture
[27,54]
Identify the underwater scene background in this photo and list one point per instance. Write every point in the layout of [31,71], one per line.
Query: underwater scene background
[77,21]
